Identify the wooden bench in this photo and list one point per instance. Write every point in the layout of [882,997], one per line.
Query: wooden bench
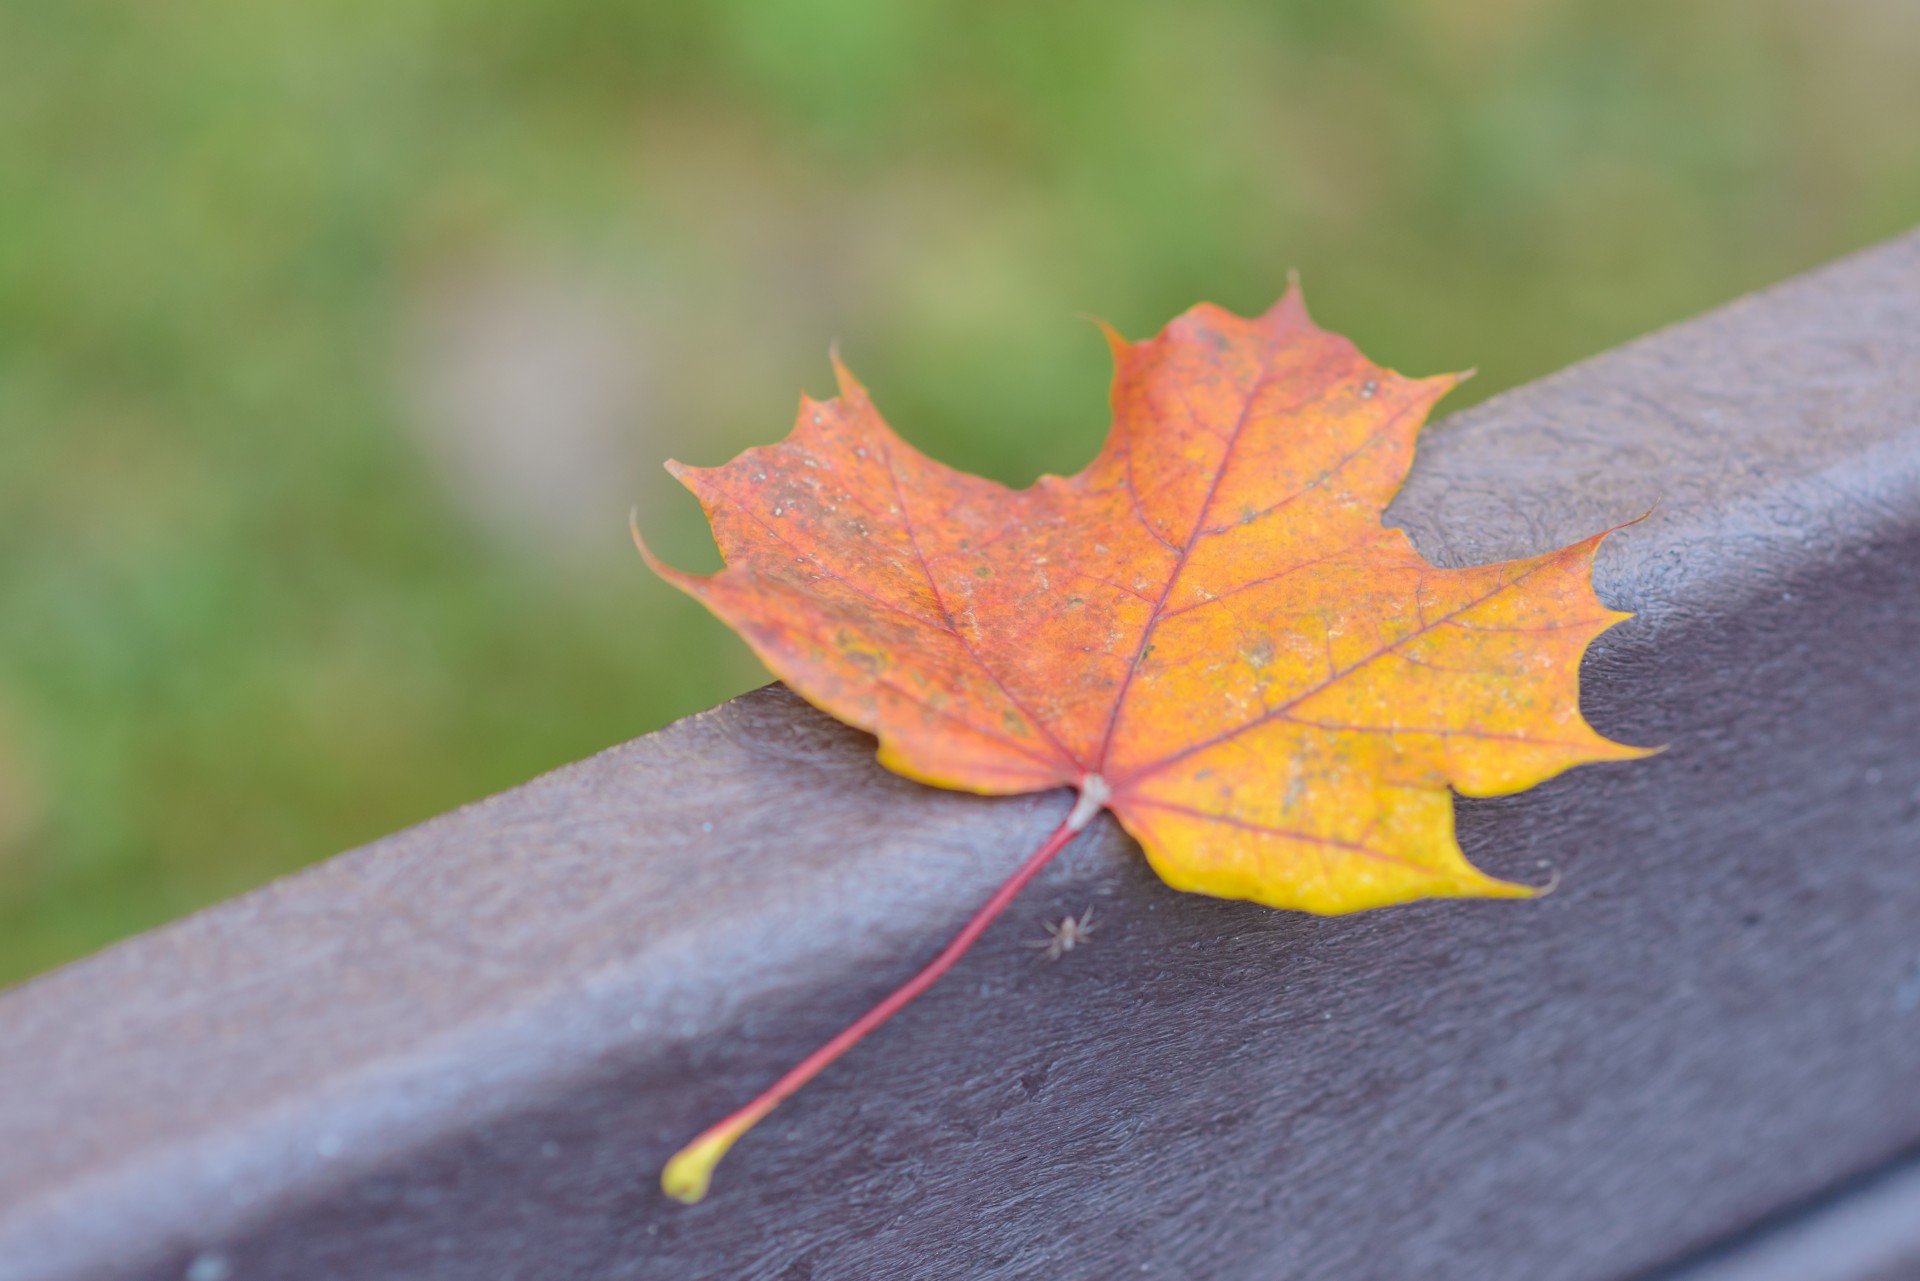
[465,1050]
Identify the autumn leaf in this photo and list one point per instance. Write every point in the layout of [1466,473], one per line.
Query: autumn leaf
[1208,631]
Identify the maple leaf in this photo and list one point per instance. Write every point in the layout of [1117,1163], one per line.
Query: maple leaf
[1208,631]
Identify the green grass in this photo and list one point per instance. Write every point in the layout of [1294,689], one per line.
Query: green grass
[248,620]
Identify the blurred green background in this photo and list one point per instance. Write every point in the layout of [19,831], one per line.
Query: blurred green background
[336,339]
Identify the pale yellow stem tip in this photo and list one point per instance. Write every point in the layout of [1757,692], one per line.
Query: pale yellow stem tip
[690,1171]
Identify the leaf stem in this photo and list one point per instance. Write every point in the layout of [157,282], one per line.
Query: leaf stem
[691,1168]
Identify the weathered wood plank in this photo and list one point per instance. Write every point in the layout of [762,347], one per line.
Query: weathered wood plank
[464,1051]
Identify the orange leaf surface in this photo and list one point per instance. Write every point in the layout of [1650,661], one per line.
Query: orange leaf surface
[1208,630]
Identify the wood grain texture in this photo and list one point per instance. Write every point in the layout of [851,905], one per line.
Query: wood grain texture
[464,1051]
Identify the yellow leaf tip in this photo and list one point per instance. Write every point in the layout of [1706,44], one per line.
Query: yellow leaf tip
[1553,883]
[1485,886]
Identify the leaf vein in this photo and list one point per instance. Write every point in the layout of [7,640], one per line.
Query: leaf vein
[913,539]
[1333,678]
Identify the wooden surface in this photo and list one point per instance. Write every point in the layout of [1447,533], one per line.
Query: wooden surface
[464,1051]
